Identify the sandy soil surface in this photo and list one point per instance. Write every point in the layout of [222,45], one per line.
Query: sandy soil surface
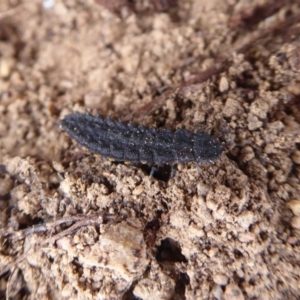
[77,226]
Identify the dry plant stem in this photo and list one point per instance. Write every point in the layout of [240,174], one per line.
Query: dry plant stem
[148,107]
[49,226]
[246,18]
[252,39]
[90,220]
[10,285]
[241,47]
[94,219]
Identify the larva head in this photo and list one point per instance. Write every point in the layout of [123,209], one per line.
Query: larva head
[206,147]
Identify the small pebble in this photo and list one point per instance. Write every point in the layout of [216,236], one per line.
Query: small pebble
[233,292]
[295,222]
[247,154]
[138,190]
[48,4]
[104,190]
[67,290]
[6,66]
[292,240]
[58,166]
[224,85]
[217,292]
[220,279]
[231,108]
[6,184]
[296,157]
[245,219]
[246,237]
[294,59]
[253,122]
[96,100]
[294,205]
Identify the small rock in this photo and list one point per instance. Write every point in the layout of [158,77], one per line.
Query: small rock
[253,122]
[6,184]
[217,292]
[294,205]
[104,190]
[96,100]
[245,219]
[66,84]
[247,154]
[231,108]
[58,166]
[246,237]
[67,290]
[212,204]
[295,222]
[259,108]
[138,190]
[292,240]
[213,252]
[220,279]
[121,248]
[270,148]
[296,157]
[233,292]
[150,289]
[294,59]
[224,85]
[6,66]
[54,178]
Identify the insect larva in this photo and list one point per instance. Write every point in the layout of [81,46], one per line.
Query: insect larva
[126,142]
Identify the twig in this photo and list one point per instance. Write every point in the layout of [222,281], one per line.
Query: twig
[90,220]
[44,227]
[84,221]
[250,18]
[241,47]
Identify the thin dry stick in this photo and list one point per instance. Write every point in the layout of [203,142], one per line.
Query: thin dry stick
[47,226]
[86,221]
[240,47]
[90,220]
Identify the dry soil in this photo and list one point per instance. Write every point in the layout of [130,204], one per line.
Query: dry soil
[78,226]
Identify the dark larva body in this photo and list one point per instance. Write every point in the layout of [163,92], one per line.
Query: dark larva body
[126,142]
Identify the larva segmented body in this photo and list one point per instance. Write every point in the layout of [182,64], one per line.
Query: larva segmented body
[126,142]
